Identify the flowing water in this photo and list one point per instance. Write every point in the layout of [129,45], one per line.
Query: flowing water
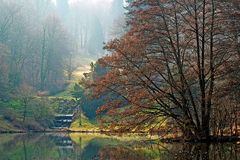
[103,147]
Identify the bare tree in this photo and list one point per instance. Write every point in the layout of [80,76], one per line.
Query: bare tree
[171,64]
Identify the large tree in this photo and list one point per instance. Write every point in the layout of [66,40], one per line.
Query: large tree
[172,63]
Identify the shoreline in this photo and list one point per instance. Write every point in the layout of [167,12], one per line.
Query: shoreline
[212,139]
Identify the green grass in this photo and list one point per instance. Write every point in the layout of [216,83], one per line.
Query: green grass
[86,125]
[11,114]
[12,104]
[67,92]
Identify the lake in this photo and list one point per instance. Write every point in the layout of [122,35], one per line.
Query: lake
[63,146]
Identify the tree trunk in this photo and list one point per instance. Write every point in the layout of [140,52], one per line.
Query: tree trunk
[80,118]
[190,132]
[25,110]
[205,131]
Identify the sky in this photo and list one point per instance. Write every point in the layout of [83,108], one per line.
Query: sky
[93,1]
[90,1]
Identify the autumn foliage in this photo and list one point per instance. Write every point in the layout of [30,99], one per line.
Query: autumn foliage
[179,63]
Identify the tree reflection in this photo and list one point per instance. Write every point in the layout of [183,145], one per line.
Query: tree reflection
[120,153]
[178,151]
[57,147]
[198,151]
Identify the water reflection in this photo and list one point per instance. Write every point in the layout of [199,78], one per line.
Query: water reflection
[102,147]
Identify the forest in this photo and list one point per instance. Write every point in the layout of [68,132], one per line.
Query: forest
[165,67]
[45,46]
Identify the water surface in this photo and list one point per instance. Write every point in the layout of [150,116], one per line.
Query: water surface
[103,147]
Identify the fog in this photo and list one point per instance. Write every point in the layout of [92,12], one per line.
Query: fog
[42,42]
[90,22]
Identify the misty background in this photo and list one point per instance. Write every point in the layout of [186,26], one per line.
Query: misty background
[43,43]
